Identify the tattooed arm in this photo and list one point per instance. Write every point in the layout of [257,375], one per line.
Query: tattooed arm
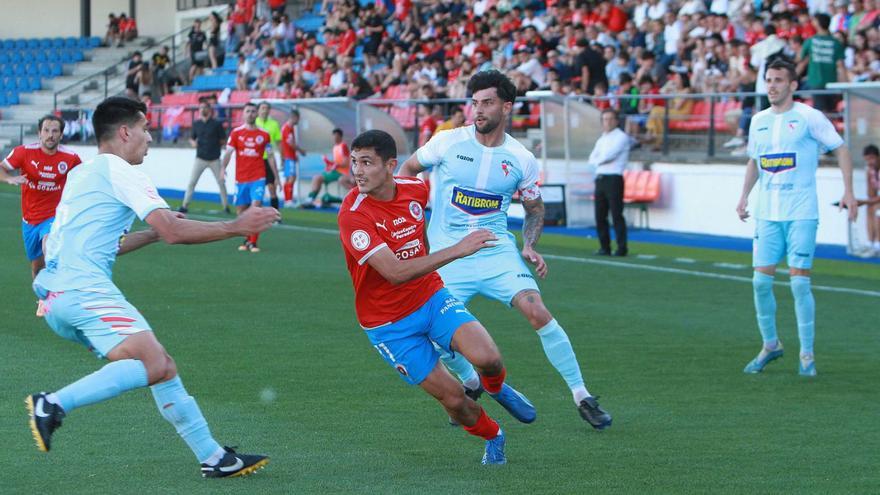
[533,225]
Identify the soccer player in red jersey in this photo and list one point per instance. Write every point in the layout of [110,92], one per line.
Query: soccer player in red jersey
[43,169]
[290,150]
[249,142]
[336,168]
[400,300]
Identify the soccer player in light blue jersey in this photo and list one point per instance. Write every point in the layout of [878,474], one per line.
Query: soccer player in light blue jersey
[478,169]
[784,145]
[97,208]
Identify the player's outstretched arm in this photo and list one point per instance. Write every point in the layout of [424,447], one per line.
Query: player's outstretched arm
[176,230]
[136,240]
[397,272]
[5,176]
[533,226]
[227,155]
[411,167]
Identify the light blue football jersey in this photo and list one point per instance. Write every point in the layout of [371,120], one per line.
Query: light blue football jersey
[474,184]
[97,208]
[786,148]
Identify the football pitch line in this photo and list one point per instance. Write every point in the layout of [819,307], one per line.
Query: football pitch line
[611,263]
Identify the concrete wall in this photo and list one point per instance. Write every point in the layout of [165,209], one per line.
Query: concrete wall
[50,18]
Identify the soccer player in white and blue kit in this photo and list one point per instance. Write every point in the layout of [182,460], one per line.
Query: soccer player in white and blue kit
[82,304]
[784,145]
[478,169]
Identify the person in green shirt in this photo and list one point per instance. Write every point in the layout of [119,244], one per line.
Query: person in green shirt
[823,56]
[271,126]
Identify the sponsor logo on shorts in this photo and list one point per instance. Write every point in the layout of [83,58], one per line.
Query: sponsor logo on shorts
[778,162]
[476,203]
[360,240]
[401,369]
[802,255]
[415,209]
[448,304]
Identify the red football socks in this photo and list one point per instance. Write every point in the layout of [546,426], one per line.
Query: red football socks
[288,191]
[485,427]
[253,238]
[492,384]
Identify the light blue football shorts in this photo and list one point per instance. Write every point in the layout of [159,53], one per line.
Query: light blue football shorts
[99,321]
[406,345]
[246,193]
[796,238]
[497,273]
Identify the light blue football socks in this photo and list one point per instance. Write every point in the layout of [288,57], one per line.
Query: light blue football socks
[765,307]
[113,379]
[460,367]
[559,352]
[181,410]
[805,311]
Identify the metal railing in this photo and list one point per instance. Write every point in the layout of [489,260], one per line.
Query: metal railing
[101,79]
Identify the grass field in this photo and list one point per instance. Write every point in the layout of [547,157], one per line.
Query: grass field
[664,350]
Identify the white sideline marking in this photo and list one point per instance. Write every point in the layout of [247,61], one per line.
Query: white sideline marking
[618,264]
[687,261]
[732,266]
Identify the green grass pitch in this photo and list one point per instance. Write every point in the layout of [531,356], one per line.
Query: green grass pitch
[663,350]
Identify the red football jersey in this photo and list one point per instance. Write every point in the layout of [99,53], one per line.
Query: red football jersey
[46,175]
[288,151]
[367,226]
[249,146]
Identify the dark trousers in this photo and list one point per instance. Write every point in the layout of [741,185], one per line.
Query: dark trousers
[609,196]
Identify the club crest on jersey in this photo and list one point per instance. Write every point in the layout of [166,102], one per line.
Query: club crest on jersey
[792,125]
[415,209]
[62,167]
[778,162]
[260,139]
[360,240]
[475,203]
[505,167]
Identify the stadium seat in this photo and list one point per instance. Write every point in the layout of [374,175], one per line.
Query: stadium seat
[20,44]
[53,55]
[44,70]
[640,189]
[20,70]
[41,56]
[12,97]
[7,71]
[66,57]
[95,41]
[15,56]
[33,43]
[45,43]
[3,102]
[56,68]
[70,42]
[4,58]
[58,42]
[21,84]
[8,45]
[82,43]
[34,84]
[31,69]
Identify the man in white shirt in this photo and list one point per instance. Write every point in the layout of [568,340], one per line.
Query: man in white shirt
[610,156]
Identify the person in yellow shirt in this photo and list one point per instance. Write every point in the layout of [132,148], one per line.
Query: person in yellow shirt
[271,126]
[455,120]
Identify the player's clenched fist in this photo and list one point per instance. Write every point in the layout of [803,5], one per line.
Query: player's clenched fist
[256,219]
[475,241]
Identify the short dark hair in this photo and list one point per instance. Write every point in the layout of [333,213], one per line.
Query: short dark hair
[114,112]
[782,63]
[52,118]
[824,21]
[493,79]
[294,112]
[611,111]
[264,103]
[250,104]
[380,141]
[338,131]
[871,150]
